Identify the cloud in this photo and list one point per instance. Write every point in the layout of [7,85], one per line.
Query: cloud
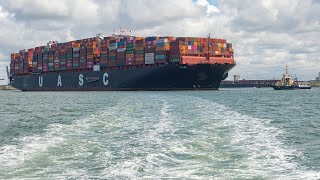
[266,34]
[210,8]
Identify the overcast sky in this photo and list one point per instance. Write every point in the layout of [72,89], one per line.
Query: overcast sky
[266,34]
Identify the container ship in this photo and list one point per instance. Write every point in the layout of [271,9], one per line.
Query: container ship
[123,62]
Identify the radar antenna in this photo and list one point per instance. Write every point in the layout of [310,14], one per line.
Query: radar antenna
[100,36]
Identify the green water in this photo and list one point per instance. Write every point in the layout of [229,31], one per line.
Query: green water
[226,134]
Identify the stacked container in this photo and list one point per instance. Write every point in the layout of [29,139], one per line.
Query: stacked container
[62,56]
[104,53]
[40,59]
[30,58]
[150,47]
[16,63]
[56,60]
[76,58]
[121,52]
[130,48]
[22,61]
[35,60]
[113,45]
[162,47]
[176,51]
[12,57]
[26,62]
[90,55]
[51,58]
[139,51]
[69,52]
[83,56]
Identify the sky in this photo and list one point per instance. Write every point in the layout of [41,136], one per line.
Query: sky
[266,34]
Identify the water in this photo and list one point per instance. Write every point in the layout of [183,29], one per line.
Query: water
[227,134]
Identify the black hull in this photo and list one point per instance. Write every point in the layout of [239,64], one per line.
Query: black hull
[157,77]
[285,87]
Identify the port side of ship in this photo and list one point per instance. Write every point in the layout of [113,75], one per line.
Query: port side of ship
[147,77]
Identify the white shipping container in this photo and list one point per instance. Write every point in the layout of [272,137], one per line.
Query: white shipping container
[149,58]
[149,54]
[121,50]
[149,61]
[162,40]
[113,48]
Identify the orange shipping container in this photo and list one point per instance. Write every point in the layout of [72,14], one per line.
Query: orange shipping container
[139,48]
[219,50]
[130,55]
[76,45]
[160,48]
[170,38]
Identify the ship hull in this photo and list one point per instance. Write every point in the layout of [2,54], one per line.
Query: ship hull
[285,87]
[156,77]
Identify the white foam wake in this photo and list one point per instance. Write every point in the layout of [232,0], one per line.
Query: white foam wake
[41,154]
[265,155]
[163,136]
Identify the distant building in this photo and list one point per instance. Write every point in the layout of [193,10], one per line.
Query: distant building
[236,78]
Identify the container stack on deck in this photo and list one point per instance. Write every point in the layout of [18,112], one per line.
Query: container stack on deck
[68,54]
[139,51]
[104,53]
[50,59]
[113,52]
[76,56]
[149,51]
[12,62]
[119,51]
[162,47]
[130,51]
[176,51]
[62,57]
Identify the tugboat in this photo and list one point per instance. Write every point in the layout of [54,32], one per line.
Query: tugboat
[286,83]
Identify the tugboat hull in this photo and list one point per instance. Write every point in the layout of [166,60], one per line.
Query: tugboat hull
[285,87]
